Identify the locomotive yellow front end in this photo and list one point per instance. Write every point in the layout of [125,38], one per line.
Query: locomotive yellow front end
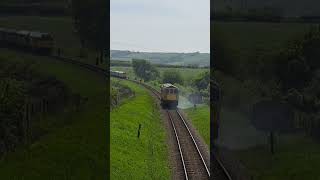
[169,95]
[42,42]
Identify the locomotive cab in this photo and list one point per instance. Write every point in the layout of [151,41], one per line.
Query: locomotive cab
[169,95]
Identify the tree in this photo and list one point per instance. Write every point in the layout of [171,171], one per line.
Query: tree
[202,81]
[90,21]
[172,76]
[144,69]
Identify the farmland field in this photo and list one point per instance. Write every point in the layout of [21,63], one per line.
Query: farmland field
[145,157]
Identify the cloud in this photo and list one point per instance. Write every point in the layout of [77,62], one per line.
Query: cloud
[160,25]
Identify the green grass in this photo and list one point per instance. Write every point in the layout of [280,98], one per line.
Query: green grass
[138,158]
[78,150]
[293,160]
[200,118]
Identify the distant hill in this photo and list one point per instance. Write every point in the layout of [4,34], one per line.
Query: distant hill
[198,59]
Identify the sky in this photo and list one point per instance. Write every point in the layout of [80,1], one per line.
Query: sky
[160,25]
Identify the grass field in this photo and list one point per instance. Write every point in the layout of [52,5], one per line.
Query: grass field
[295,159]
[77,150]
[200,118]
[138,158]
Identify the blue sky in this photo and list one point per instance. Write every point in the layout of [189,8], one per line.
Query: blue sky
[160,25]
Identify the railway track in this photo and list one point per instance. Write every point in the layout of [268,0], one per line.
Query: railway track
[193,165]
[192,161]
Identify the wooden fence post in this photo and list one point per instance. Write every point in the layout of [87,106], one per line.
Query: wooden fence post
[139,131]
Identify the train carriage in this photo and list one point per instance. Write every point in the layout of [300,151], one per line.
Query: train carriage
[119,74]
[36,41]
[169,95]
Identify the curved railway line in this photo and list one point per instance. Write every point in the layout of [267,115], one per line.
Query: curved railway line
[192,161]
[193,165]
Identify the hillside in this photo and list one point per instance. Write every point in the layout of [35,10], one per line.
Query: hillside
[200,59]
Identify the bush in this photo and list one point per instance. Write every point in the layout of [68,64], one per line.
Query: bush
[202,81]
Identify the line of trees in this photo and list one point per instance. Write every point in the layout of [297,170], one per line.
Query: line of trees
[145,70]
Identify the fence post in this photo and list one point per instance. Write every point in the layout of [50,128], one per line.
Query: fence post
[139,131]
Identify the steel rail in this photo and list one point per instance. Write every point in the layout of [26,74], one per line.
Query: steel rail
[194,143]
[179,146]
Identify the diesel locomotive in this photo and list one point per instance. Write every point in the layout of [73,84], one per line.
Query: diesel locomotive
[169,95]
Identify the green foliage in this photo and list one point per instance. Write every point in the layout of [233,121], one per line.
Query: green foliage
[119,92]
[12,97]
[172,76]
[144,69]
[202,81]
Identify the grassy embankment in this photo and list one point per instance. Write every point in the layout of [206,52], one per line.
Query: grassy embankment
[200,118]
[76,149]
[296,157]
[132,157]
